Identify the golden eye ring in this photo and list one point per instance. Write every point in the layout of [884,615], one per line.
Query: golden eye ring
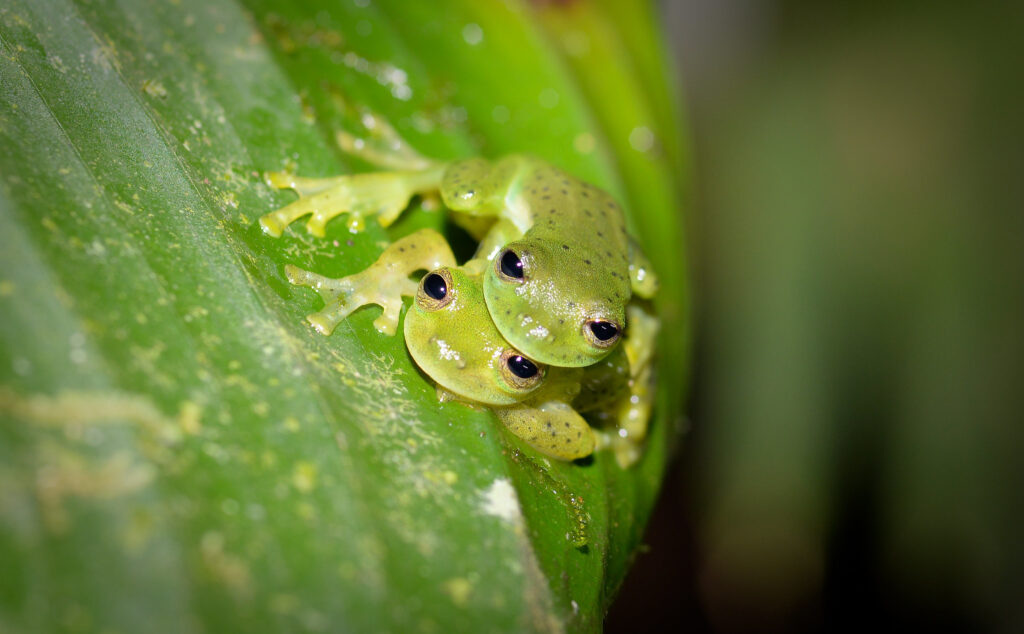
[435,290]
[601,333]
[520,372]
[509,267]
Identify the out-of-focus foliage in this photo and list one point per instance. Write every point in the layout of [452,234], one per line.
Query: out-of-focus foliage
[178,450]
[856,456]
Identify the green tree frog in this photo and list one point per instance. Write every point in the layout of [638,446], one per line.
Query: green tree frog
[556,288]
[451,337]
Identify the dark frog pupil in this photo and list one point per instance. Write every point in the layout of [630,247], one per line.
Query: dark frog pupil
[511,265]
[522,367]
[435,286]
[603,330]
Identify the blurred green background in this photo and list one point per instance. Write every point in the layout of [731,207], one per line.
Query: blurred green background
[854,455]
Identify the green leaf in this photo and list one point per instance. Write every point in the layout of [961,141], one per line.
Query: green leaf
[178,451]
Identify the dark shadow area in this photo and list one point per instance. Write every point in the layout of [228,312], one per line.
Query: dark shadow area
[853,461]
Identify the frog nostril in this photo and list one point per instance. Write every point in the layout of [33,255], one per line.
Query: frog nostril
[435,286]
[511,265]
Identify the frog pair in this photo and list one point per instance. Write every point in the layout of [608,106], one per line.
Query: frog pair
[529,327]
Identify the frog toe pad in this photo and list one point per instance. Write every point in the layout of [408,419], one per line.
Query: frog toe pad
[345,295]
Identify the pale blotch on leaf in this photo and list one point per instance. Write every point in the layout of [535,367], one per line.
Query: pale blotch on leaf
[226,568]
[189,418]
[472,34]
[154,88]
[500,500]
[458,589]
[304,476]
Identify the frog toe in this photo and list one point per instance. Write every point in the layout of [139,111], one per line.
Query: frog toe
[347,302]
[317,225]
[324,322]
[272,225]
[279,180]
[387,323]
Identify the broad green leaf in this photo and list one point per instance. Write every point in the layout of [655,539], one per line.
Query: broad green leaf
[178,451]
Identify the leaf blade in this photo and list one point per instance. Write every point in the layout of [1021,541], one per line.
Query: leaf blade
[258,450]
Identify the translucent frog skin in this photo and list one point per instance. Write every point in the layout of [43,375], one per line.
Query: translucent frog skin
[557,285]
[451,337]
[449,334]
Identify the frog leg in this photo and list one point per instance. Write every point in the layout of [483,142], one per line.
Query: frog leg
[479,187]
[382,146]
[298,184]
[384,194]
[624,420]
[501,233]
[547,422]
[642,278]
[631,416]
[641,333]
[552,428]
[384,283]
[378,142]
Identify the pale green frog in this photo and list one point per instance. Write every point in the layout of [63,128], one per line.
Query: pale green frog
[451,337]
[556,287]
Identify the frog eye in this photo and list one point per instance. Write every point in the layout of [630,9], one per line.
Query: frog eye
[435,291]
[509,266]
[601,333]
[520,372]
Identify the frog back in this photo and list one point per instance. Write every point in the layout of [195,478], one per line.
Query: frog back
[563,208]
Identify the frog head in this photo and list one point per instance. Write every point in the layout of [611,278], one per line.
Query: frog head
[450,335]
[558,302]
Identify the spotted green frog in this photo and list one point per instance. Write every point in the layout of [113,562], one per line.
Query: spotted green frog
[556,285]
[451,337]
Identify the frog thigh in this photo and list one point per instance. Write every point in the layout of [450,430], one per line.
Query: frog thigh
[552,428]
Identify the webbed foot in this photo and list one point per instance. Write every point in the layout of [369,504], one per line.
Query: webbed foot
[381,194]
[384,283]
